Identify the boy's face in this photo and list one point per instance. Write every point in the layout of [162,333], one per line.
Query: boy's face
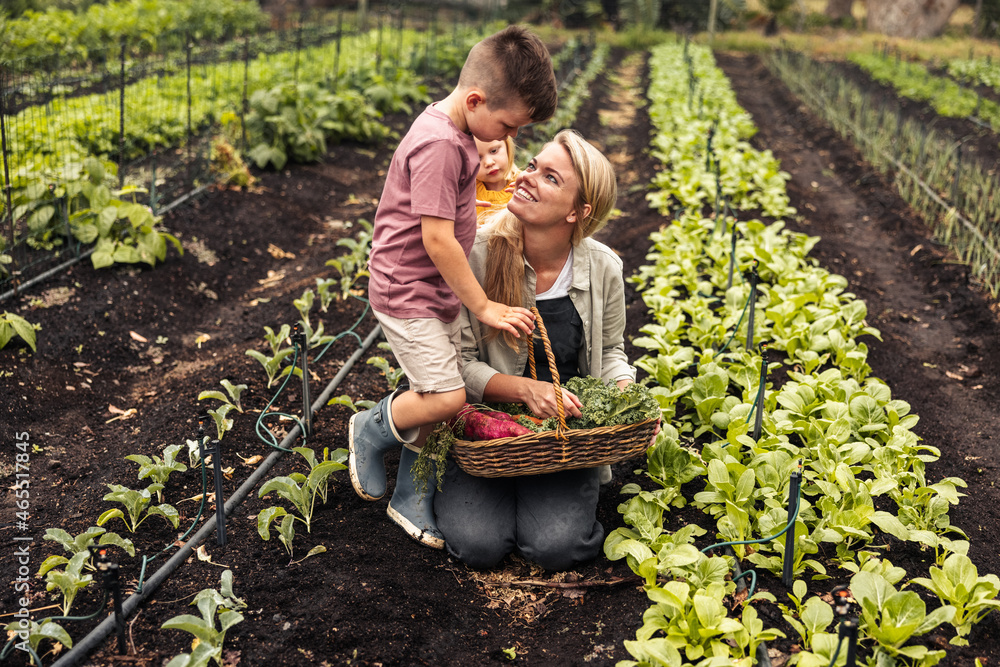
[493,162]
[488,123]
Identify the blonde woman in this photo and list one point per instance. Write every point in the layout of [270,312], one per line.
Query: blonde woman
[540,253]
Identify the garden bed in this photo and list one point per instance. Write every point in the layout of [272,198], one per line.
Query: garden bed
[129,338]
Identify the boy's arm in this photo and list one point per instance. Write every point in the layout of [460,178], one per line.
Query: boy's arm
[449,258]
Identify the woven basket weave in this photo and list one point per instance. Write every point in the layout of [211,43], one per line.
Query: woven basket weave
[552,451]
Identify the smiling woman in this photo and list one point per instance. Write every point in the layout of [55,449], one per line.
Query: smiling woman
[539,253]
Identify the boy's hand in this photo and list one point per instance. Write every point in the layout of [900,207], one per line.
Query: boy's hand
[507,318]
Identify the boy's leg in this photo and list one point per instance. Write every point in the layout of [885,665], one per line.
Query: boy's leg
[412,502]
[371,433]
[428,351]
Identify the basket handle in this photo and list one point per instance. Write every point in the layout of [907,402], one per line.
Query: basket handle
[560,409]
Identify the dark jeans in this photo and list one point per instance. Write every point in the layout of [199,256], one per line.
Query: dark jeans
[550,519]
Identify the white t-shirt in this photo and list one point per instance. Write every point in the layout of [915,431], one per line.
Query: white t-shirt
[560,287]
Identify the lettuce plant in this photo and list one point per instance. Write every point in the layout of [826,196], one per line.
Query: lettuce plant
[273,364]
[892,618]
[38,632]
[958,584]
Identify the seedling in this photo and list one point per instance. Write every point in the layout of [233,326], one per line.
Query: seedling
[69,581]
[137,504]
[957,583]
[159,469]
[302,492]
[352,265]
[213,605]
[276,340]
[339,456]
[222,422]
[351,404]
[32,636]
[82,543]
[14,325]
[233,390]
[392,375]
[272,365]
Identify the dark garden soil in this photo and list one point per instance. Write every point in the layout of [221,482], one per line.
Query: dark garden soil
[121,362]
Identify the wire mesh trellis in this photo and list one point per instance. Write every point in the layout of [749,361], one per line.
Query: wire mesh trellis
[151,115]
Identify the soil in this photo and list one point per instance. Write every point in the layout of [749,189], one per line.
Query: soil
[121,362]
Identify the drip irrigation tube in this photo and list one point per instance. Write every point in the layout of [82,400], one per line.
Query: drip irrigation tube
[98,634]
[70,262]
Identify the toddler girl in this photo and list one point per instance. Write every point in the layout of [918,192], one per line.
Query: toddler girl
[495,179]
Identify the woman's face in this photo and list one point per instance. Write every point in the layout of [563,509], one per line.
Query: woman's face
[545,191]
[493,162]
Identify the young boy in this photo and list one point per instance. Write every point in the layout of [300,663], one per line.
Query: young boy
[420,275]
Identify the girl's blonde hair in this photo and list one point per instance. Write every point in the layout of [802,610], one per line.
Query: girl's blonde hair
[505,262]
[512,170]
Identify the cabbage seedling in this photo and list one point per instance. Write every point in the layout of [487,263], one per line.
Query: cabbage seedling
[234,391]
[69,581]
[213,605]
[37,632]
[159,469]
[272,365]
[137,504]
[81,544]
[301,491]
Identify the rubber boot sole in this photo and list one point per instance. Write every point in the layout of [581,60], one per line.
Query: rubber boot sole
[352,462]
[419,535]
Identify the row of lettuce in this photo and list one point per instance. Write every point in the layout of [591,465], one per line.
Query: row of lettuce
[830,420]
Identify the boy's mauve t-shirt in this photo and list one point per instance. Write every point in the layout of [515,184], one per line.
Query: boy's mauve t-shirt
[433,172]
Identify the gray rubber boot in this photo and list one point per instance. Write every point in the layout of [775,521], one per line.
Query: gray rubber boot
[370,435]
[412,508]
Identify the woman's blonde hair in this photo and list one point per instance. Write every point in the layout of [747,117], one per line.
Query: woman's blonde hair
[505,262]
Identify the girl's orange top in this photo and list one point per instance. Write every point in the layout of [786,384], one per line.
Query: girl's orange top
[497,200]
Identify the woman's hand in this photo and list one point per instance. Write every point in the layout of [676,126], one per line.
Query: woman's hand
[540,397]
[507,318]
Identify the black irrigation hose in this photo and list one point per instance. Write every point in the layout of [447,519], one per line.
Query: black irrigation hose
[98,634]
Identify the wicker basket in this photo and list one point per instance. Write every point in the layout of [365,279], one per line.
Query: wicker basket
[552,451]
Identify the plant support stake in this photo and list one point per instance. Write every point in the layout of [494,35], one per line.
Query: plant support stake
[299,339]
[752,307]
[787,575]
[759,417]
[220,515]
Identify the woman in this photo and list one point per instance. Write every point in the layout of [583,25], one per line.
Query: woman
[540,254]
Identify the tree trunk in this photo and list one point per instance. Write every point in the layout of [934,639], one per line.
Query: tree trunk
[838,10]
[916,19]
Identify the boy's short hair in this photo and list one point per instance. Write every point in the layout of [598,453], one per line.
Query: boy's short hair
[510,65]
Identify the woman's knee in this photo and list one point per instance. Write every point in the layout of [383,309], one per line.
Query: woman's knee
[562,547]
[478,549]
